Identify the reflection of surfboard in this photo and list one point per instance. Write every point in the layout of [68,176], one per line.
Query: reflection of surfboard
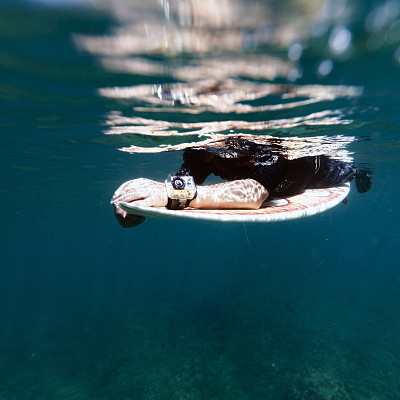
[312,201]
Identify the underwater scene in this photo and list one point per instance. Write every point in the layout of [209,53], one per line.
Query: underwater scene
[94,93]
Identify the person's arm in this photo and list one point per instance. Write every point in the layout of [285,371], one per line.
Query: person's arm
[142,191]
[245,193]
[239,194]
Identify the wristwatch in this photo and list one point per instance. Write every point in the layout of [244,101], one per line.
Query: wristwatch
[181,190]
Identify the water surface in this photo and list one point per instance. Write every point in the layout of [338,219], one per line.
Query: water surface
[180,309]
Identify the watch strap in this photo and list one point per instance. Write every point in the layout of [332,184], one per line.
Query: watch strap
[175,204]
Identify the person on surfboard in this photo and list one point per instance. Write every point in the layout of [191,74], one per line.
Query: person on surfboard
[253,172]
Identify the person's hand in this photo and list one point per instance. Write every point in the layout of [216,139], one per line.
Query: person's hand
[142,191]
[127,220]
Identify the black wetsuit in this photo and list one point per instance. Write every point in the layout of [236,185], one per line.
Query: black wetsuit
[243,159]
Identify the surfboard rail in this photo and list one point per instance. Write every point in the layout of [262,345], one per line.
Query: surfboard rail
[308,203]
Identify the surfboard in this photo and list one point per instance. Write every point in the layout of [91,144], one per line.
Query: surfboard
[310,202]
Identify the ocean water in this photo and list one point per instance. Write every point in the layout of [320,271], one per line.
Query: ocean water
[303,309]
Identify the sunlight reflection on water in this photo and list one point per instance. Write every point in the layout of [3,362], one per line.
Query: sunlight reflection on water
[228,57]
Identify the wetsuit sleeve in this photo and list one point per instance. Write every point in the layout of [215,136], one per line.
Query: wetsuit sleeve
[281,177]
[298,175]
[269,170]
[195,164]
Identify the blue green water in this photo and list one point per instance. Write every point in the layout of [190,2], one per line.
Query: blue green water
[304,309]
